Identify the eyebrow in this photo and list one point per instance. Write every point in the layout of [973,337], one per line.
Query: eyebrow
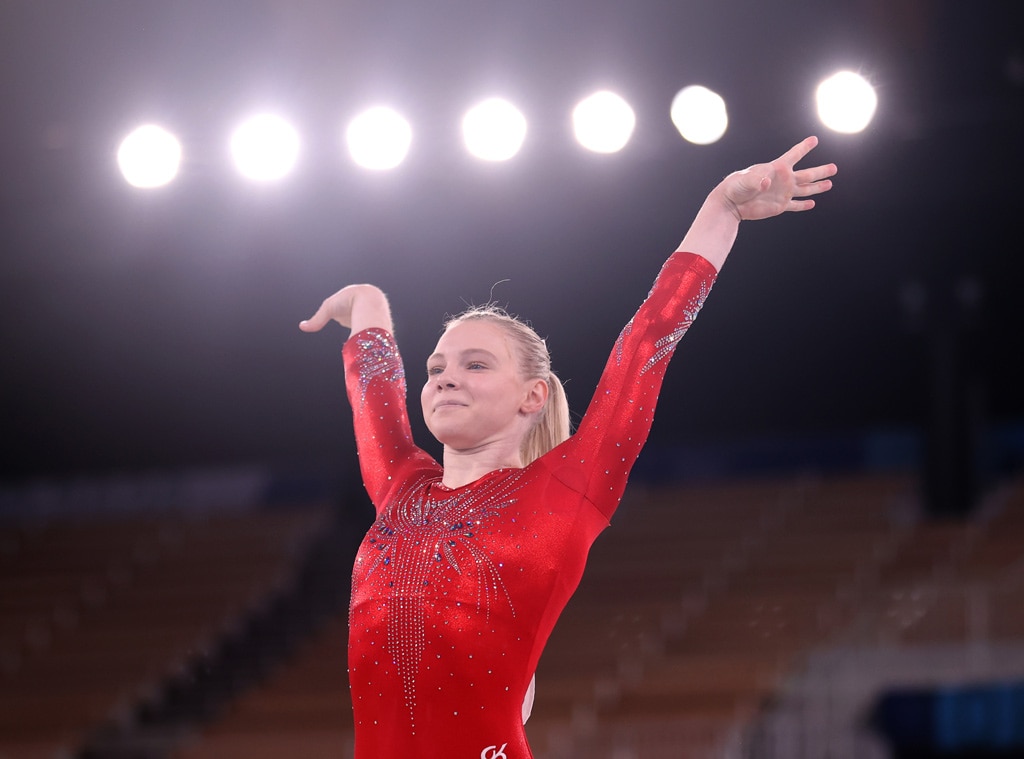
[464,354]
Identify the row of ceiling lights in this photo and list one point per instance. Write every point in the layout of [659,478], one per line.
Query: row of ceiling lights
[266,147]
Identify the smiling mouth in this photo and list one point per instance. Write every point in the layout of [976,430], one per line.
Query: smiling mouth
[448,404]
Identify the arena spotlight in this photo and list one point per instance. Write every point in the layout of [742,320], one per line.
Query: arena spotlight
[149,157]
[494,130]
[699,114]
[603,122]
[846,102]
[378,138]
[265,148]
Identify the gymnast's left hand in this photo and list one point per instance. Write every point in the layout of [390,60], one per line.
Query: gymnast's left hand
[769,189]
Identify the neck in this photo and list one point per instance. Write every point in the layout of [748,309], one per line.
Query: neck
[464,467]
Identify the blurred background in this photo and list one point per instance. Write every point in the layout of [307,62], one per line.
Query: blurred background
[847,407]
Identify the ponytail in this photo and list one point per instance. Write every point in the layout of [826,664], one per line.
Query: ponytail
[552,428]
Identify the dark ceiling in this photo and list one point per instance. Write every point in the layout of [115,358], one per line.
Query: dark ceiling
[151,330]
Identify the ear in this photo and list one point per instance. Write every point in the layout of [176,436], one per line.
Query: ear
[536,396]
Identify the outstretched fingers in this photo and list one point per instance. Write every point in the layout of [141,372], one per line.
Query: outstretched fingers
[798,152]
[815,174]
[800,205]
[814,181]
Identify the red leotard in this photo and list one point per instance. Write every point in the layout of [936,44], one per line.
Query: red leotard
[455,591]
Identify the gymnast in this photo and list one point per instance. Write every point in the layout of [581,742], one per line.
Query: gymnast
[471,560]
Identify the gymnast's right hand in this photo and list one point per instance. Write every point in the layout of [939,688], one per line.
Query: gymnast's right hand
[356,307]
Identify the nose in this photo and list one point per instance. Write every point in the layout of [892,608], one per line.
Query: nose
[444,380]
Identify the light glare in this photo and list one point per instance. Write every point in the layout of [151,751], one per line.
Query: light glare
[699,114]
[603,122]
[846,102]
[149,157]
[265,148]
[378,139]
[494,130]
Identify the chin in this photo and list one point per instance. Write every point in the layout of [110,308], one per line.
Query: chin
[446,437]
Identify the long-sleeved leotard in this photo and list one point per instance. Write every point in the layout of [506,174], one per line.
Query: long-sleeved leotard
[455,591]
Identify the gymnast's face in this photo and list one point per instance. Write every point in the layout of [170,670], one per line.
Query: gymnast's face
[474,396]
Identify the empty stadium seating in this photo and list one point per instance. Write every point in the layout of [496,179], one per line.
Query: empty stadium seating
[696,607]
[97,613]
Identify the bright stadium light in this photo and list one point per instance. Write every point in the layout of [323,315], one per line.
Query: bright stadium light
[846,102]
[149,157]
[603,122]
[265,148]
[699,114]
[378,139]
[494,130]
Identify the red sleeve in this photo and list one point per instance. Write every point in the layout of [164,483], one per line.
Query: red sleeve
[375,381]
[618,420]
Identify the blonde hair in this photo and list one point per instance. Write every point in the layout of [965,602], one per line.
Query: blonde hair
[552,425]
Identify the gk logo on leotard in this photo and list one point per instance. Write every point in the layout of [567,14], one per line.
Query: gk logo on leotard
[493,752]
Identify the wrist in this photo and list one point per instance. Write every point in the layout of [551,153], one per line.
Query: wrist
[714,229]
[369,308]
[719,201]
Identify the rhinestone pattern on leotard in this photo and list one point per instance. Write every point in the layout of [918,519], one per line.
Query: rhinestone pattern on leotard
[667,344]
[414,541]
[380,359]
